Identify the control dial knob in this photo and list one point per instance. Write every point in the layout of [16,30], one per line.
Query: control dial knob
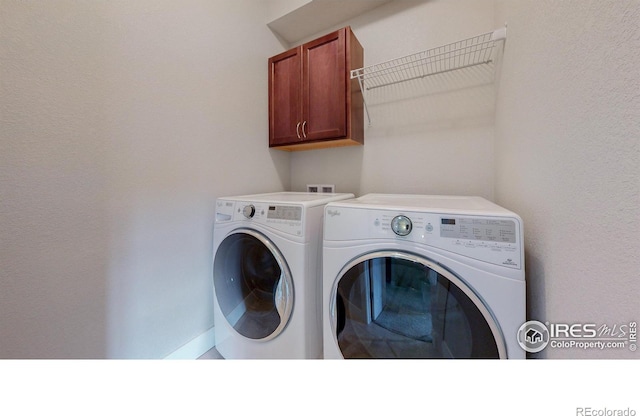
[401,225]
[249,211]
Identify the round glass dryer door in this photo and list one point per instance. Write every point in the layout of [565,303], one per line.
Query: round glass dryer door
[397,305]
[253,285]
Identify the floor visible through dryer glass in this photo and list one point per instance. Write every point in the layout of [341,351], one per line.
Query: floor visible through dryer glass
[403,329]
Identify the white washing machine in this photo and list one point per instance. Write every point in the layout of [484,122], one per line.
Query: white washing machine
[419,276]
[266,274]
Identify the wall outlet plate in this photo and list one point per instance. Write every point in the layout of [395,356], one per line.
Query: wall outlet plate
[324,188]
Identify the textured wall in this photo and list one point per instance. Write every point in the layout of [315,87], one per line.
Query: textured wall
[561,147]
[568,157]
[432,136]
[121,123]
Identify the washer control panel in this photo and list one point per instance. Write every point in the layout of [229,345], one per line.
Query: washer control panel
[496,240]
[284,212]
[283,217]
[478,229]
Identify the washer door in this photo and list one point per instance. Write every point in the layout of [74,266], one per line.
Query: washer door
[399,305]
[253,285]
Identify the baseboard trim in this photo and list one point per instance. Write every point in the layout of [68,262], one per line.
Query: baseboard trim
[194,348]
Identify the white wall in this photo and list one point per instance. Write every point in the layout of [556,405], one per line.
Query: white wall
[279,8]
[561,146]
[568,157]
[121,122]
[433,136]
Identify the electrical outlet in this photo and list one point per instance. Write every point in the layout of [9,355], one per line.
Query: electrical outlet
[324,189]
[327,189]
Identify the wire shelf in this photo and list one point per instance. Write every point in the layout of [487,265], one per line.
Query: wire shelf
[477,50]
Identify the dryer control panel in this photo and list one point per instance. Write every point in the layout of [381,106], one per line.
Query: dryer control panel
[478,229]
[496,240]
[282,217]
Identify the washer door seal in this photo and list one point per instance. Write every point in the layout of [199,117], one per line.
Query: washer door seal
[253,285]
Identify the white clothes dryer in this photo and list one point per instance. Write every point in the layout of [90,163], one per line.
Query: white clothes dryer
[420,276]
[266,274]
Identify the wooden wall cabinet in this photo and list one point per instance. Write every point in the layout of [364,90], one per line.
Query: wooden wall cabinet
[313,102]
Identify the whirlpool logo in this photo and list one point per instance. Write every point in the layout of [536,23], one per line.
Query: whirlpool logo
[333,212]
[509,262]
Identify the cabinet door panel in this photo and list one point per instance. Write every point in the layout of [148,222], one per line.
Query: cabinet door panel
[324,87]
[284,98]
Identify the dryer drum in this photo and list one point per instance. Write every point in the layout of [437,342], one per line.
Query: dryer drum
[389,305]
[247,279]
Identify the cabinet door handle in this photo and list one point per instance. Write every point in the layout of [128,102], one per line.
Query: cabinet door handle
[298,129]
[304,134]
